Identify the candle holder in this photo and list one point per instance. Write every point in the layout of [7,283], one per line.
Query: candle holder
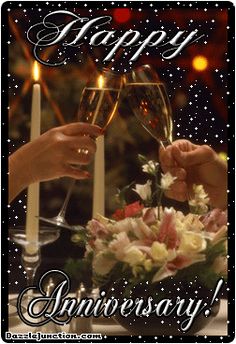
[31,258]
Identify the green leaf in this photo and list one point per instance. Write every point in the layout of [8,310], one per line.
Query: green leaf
[143,160]
[80,270]
[214,251]
[81,238]
[121,194]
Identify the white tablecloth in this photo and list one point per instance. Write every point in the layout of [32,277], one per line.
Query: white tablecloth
[218,327]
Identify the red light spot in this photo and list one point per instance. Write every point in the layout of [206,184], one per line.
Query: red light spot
[154,123]
[122,15]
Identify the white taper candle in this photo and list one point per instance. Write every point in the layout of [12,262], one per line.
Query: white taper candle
[99,179]
[32,222]
[99,162]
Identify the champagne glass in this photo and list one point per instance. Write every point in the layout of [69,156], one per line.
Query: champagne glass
[59,219]
[99,99]
[148,100]
[98,106]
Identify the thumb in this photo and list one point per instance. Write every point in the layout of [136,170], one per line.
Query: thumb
[75,173]
[198,156]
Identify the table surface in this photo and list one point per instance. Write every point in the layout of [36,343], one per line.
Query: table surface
[217,327]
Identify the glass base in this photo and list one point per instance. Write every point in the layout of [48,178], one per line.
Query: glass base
[62,224]
[12,305]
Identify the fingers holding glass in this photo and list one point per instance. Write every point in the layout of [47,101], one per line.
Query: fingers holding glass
[178,191]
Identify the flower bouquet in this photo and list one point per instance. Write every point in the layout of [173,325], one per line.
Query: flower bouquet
[155,246]
[144,243]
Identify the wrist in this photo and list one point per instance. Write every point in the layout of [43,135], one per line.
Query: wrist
[224,169]
[221,199]
[19,174]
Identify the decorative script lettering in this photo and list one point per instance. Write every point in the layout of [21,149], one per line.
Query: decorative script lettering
[68,29]
[60,308]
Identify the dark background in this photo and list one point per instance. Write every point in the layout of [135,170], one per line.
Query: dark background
[199,101]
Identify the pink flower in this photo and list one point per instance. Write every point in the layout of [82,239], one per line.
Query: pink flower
[149,216]
[214,220]
[143,246]
[179,262]
[163,273]
[182,261]
[167,231]
[97,229]
[142,231]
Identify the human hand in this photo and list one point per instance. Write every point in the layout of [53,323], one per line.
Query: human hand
[52,155]
[195,164]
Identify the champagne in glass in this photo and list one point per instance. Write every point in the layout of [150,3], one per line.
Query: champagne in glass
[100,99]
[148,101]
[98,105]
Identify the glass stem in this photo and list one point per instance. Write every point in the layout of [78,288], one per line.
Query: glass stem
[62,212]
[166,143]
[30,263]
[30,274]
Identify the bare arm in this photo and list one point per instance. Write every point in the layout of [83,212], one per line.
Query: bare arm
[52,155]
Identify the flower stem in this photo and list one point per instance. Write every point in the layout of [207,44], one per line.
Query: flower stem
[157,186]
[159,204]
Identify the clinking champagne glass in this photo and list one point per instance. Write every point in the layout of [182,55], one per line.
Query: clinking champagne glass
[147,99]
[98,106]
[99,99]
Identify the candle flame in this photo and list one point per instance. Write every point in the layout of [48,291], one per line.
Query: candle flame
[100,81]
[36,71]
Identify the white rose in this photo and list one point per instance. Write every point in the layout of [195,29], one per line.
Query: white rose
[159,252]
[133,256]
[191,243]
[125,225]
[99,245]
[179,225]
[144,190]
[102,265]
[148,264]
[219,235]
[119,244]
[102,219]
[193,223]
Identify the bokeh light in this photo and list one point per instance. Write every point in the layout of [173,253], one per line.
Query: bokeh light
[122,15]
[200,63]
[223,156]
